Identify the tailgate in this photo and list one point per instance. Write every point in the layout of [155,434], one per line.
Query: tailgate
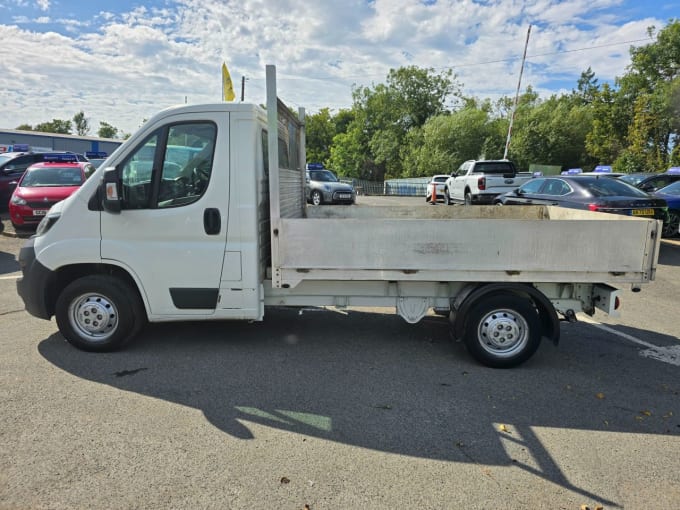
[497,184]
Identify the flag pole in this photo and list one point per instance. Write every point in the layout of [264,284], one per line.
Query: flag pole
[514,108]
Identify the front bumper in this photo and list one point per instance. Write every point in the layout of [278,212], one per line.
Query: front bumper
[339,197]
[36,284]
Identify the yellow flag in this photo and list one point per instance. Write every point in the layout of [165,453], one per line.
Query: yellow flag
[227,87]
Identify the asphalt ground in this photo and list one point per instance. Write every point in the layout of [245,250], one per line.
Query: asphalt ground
[341,409]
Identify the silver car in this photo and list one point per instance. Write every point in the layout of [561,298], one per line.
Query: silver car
[323,187]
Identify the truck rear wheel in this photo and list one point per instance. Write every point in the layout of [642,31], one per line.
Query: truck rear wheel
[502,331]
[468,198]
[99,313]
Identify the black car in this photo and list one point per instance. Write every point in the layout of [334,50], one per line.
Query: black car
[651,182]
[590,192]
[12,167]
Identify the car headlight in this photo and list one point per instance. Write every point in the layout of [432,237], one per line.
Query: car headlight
[46,223]
[17,200]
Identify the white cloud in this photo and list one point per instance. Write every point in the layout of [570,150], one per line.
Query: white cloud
[122,67]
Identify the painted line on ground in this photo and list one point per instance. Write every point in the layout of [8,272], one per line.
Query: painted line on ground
[670,354]
[10,277]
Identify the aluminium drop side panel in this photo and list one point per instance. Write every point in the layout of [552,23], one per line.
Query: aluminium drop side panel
[273,156]
[556,245]
[286,173]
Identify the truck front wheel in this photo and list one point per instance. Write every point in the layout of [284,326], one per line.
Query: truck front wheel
[502,331]
[99,313]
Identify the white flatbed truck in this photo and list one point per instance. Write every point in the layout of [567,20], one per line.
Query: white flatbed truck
[201,215]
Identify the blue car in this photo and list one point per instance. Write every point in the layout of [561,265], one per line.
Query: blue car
[671,194]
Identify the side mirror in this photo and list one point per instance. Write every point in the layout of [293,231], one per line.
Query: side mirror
[519,192]
[111,193]
[12,185]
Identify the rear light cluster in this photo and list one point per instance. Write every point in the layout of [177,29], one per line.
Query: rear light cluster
[481,183]
[593,207]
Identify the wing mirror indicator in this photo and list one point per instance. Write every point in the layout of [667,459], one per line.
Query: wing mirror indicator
[111,200]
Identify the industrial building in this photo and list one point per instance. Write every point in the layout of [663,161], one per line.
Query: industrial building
[36,141]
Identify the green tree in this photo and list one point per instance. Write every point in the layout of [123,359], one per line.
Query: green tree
[586,87]
[382,117]
[320,130]
[106,130]
[607,137]
[81,123]
[552,132]
[640,123]
[25,127]
[54,126]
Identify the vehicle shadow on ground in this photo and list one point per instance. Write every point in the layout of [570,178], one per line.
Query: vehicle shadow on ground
[669,254]
[371,380]
[8,263]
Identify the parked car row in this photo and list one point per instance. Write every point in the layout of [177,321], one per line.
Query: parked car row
[652,195]
[30,191]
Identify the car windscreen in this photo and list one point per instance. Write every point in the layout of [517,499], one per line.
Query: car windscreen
[494,167]
[671,189]
[4,158]
[322,175]
[52,177]
[603,187]
[633,178]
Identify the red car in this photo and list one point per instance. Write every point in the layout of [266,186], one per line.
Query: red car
[43,185]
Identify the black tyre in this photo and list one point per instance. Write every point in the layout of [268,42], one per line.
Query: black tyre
[317,199]
[670,227]
[447,197]
[468,198]
[99,313]
[502,331]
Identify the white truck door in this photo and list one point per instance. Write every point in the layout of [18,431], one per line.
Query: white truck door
[172,230]
[458,185]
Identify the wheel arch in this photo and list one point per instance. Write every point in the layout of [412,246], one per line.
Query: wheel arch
[70,273]
[472,294]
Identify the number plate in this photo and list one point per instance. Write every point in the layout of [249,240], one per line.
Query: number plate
[344,195]
[39,212]
[643,212]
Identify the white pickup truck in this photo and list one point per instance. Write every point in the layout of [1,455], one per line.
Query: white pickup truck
[227,234]
[479,182]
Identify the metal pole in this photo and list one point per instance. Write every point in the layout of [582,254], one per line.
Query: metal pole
[243,87]
[514,108]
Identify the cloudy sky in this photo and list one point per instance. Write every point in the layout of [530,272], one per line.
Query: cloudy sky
[121,61]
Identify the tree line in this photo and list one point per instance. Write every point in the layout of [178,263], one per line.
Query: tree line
[405,128]
[78,125]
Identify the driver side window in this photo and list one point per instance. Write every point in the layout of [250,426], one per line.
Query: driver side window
[171,168]
[187,164]
[136,175]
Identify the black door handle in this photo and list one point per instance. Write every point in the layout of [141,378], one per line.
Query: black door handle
[212,221]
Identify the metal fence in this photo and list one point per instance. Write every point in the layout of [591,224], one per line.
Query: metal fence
[413,187]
